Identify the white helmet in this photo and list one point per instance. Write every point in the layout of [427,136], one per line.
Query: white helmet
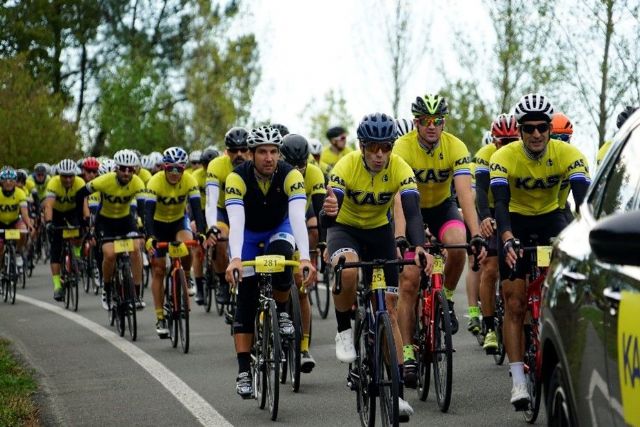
[155,159]
[315,146]
[67,167]
[264,135]
[533,106]
[404,126]
[109,165]
[126,158]
[487,138]
[194,156]
[146,163]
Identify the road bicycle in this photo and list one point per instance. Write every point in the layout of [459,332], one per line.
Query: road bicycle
[321,291]
[70,270]
[9,273]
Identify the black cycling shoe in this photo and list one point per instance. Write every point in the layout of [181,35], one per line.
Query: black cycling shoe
[453,318]
[410,373]
[222,294]
[244,385]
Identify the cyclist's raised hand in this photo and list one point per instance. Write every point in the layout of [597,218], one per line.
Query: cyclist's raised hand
[330,206]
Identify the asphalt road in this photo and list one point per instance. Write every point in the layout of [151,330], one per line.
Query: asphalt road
[91,376]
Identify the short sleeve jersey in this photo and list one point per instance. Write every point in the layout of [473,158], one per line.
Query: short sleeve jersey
[368,199]
[39,189]
[217,172]
[330,158]
[482,163]
[200,175]
[144,175]
[325,168]
[64,199]
[535,185]
[171,200]
[266,203]
[434,169]
[116,199]
[313,182]
[10,205]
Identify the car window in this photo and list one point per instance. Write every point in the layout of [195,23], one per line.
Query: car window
[618,189]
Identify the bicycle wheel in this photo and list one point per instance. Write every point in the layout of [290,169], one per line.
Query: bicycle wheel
[171,307]
[5,289]
[293,353]
[22,272]
[271,349]
[443,353]
[423,358]
[533,379]
[129,308]
[362,370]
[322,291]
[182,314]
[30,259]
[500,354]
[388,376]
[87,266]
[258,364]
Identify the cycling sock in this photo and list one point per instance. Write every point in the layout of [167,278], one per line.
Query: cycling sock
[449,293]
[489,323]
[517,373]
[474,311]
[76,251]
[407,352]
[281,307]
[200,284]
[137,290]
[57,284]
[344,320]
[244,362]
[304,345]
[159,314]
[401,385]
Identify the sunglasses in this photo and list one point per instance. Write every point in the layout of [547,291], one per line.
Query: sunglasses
[507,140]
[129,169]
[91,170]
[542,128]
[340,138]
[174,168]
[374,147]
[237,150]
[428,120]
[565,137]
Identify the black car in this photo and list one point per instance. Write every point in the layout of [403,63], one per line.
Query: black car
[590,334]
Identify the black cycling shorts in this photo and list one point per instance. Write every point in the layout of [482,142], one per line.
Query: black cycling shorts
[113,227]
[438,218]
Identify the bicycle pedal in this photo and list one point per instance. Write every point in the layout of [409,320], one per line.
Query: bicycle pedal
[404,418]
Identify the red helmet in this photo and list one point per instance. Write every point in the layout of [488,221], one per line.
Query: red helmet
[560,124]
[505,126]
[91,163]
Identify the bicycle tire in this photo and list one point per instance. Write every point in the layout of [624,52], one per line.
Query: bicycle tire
[13,276]
[258,359]
[208,290]
[272,348]
[534,382]
[322,292]
[293,353]
[130,311]
[75,283]
[30,259]
[365,403]
[388,376]
[87,267]
[423,358]
[183,310]
[500,354]
[171,310]
[4,289]
[443,355]
[23,273]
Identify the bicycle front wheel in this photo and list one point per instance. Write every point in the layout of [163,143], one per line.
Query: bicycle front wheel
[293,354]
[182,309]
[322,291]
[272,351]
[170,308]
[443,351]
[500,353]
[258,363]
[361,371]
[423,358]
[387,375]
[533,380]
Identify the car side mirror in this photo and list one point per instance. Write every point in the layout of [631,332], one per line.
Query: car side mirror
[616,239]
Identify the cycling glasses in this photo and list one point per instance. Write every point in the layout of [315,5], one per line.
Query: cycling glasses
[542,128]
[340,138]
[129,169]
[174,168]
[561,136]
[237,150]
[428,120]
[507,140]
[374,147]
[90,170]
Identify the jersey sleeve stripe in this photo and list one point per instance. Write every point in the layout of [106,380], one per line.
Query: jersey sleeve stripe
[233,202]
[410,190]
[499,181]
[298,197]
[462,172]
[213,184]
[482,169]
[338,190]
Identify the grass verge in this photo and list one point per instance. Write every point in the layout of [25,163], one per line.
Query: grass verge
[16,389]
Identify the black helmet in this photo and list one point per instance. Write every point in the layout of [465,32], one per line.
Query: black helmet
[236,137]
[625,114]
[284,131]
[207,155]
[335,132]
[377,127]
[295,149]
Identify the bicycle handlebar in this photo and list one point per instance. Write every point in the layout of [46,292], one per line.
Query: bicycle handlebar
[189,243]
[342,264]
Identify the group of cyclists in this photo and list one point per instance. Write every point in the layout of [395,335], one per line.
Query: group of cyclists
[279,193]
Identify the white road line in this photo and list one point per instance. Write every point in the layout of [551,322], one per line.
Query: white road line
[185,395]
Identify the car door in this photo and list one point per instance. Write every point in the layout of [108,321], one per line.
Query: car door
[620,192]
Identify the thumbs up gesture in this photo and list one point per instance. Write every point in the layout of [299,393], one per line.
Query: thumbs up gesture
[330,205]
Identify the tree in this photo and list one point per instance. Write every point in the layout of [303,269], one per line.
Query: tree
[332,111]
[32,127]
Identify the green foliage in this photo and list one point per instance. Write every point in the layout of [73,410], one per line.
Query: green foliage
[469,116]
[32,127]
[331,111]
[16,388]
[136,110]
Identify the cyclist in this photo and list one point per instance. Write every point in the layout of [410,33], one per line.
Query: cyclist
[622,117]
[155,162]
[167,194]
[236,153]
[404,126]
[265,200]
[60,209]
[295,151]
[441,162]
[38,183]
[315,150]
[89,167]
[525,181]
[357,214]
[194,161]
[337,147]
[116,216]
[504,130]
[14,211]
[200,175]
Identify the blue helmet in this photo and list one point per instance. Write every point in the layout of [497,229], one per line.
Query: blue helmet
[8,173]
[377,127]
[175,155]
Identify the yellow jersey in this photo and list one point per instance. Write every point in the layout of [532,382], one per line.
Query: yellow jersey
[368,199]
[144,175]
[10,205]
[330,158]
[39,189]
[603,151]
[535,185]
[482,162]
[171,200]
[64,199]
[313,182]
[325,168]
[434,169]
[200,175]
[217,173]
[115,199]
